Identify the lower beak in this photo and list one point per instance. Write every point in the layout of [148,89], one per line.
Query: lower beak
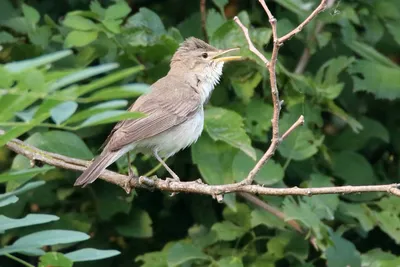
[228,58]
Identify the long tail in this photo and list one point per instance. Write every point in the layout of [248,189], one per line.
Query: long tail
[94,170]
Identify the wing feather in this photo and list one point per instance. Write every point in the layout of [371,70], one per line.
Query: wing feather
[165,108]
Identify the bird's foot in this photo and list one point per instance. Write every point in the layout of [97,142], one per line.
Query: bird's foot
[170,180]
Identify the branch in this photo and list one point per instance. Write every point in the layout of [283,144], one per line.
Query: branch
[203,13]
[306,55]
[279,214]
[198,187]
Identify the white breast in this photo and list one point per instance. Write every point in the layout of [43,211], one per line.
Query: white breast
[176,138]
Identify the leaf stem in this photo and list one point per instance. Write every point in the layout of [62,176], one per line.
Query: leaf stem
[27,264]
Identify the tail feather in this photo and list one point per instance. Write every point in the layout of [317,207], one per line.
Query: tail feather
[95,169]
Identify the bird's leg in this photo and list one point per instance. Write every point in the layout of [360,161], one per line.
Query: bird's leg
[130,171]
[171,172]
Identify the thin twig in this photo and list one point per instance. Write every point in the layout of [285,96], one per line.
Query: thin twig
[271,66]
[251,45]
[306,55]
[53,159]
[203,13]
[299,122]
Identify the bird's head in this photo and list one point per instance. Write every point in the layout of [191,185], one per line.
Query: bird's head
[196,56]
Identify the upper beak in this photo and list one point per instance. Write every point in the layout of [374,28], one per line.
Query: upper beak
[228,58]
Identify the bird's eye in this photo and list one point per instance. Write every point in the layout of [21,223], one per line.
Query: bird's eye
[204,55]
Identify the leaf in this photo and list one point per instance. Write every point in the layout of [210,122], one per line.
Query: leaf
[91,254]
[323,205]
[64,143]
[382,81]
[378,258]
[262,217]
[118,11]
[148,20]
[213,22]
[23,174]
[44,238]
[63,111]
[30,219]
[79,23]
[225,125]
[6,38]
[214,160]
[55,259]
[361,212]
[8,200]
[269,174]
[153,259]
[184,252]
[360,172]
[227,231]
[138,225]
[23,189]
[36,62]
[244,86]
[221,4]
[123,91]
[342,253]
[81,75]
[110,116]
[231,261]
[80,38]
[301,144]
[393,30]
[349,140]
[30,14]
[258,119]
[372,55]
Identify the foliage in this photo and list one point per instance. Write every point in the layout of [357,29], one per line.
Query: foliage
[70,69]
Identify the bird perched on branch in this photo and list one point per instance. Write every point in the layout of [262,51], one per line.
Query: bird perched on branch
[173,108]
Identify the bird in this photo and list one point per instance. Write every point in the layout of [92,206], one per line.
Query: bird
[173,108]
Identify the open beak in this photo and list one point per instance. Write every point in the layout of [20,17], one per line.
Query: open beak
[228,58]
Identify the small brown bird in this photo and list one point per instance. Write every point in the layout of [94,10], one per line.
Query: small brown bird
[174,110]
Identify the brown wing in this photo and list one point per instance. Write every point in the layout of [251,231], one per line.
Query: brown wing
[164,106]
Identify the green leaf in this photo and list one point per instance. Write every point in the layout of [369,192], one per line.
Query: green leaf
[349,140]
[153,259]
[30,14]
[221,4]
[225,125]
[184,252]
[81,75]
[6,38]
[342,253]
[138,225]
[118,11]
[63,111]
[36,62]
[258,119]
[8,200]
[361,212]
[23,189]
[301,144]
[79,23]
[80,38]
[214,160]
[110,116]
[382,81]
[44,238]
[269,174]
[91,254]
[244,86]
[378,258]
[123,91]
[231,261]
[360,173]
[55,259]
[227,231]
[372,55]
[323,205]
[393,30]
[262,217]
[30,219]
[23,174]
[64,143]
[148,20]
[214,21]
